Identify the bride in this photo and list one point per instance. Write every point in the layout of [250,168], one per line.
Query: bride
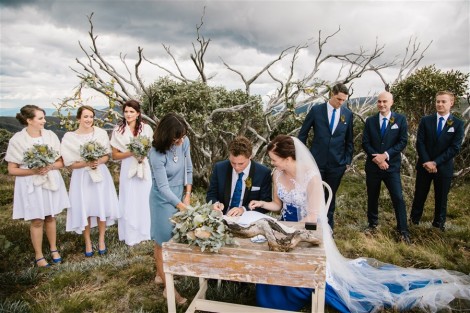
[361,285]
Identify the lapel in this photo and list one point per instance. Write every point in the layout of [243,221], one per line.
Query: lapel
[389,126]
[228,186]
[251,174]
[376,125]
[446,127]
[434,127]
[324,114]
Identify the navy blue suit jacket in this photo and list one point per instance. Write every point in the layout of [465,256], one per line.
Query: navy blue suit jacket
[221,183]
[329,150]
[393,142]
[441,150]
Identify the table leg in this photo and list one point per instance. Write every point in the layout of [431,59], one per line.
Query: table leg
[170,293]
[318,299]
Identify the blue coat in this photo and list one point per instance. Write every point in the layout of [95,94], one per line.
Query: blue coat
[221,183]
[329,150]
[441,150]
[393,142]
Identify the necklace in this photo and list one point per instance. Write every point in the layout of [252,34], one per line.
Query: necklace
[173,150]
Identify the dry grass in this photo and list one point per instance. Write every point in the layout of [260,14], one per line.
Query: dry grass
[122,281]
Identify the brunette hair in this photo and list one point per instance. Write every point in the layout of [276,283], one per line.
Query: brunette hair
[283,146]
[28,112]
[170,128]
[340,88]
[240,146]
[82,108]
[138,122]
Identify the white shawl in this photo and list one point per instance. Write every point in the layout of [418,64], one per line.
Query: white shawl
[120,142]
[20,143]
[70,150]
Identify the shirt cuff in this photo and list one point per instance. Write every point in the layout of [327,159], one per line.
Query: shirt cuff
[244,209]
[388,157]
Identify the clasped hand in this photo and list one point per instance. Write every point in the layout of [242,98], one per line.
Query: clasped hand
[380,160]
[43,170]
[92,164]
[430,166]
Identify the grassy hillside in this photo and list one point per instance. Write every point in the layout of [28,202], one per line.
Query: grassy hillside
[122,281]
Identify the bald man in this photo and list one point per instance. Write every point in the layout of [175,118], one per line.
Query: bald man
[384,138]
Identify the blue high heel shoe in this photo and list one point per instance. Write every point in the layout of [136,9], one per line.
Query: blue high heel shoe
[43,258]
[103,252]
[89,254]
[58,260]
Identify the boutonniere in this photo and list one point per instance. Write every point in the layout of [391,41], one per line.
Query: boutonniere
[248,183]
[392,120]
[449,122]
[343,119]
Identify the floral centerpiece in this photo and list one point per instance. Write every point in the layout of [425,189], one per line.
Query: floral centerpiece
[202,226]
[90,152]
[41,155]
[140,147]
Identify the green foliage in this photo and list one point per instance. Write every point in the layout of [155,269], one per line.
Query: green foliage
[195,102]
[202,226]
[415,95]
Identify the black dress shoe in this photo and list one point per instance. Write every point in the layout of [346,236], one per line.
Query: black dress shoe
[441,226]
[414,222]
[405,237]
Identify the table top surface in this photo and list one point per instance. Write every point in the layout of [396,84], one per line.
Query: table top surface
[304,266]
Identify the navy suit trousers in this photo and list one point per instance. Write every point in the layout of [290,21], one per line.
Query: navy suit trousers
[332,177]
[393,183]
[441,191]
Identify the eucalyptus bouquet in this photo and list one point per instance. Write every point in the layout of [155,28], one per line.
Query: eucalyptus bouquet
[202,226]
[92,151]
[41,155]
[139,146]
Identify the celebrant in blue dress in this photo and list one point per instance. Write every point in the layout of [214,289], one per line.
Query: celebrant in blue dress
[172,178]
[361,285]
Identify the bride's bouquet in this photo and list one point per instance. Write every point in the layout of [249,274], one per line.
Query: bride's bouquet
[90,152]
[41,155]
[140,147]
[202,226]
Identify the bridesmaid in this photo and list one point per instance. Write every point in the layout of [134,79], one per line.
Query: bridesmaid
[172,177]
[37,203]
[134,224]
[94,200]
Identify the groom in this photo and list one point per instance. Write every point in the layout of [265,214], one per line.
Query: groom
[238,180]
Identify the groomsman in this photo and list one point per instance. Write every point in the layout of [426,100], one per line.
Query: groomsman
[384,138]
[332,145]
[238,180]
[438,141]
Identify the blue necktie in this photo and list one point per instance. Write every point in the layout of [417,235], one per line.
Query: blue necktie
[332,121]
[384,127]
[439,126]
[237,192]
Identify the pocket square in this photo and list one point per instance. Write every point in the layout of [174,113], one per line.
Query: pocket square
[451,130]
[395,126]
[254,188]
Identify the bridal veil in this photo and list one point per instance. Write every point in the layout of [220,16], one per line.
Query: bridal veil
[368,285]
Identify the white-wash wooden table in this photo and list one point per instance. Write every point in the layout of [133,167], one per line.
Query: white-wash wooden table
[305,266]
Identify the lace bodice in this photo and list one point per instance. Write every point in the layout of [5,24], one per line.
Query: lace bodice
[294,201]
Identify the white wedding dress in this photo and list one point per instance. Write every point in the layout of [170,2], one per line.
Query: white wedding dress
[360,285]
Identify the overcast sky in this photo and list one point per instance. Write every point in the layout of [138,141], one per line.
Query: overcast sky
[39,39]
